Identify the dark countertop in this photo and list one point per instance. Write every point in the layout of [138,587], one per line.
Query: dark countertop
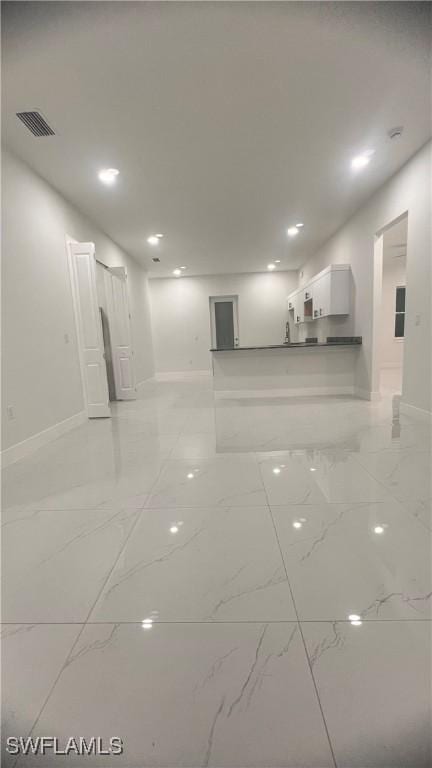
[348,341]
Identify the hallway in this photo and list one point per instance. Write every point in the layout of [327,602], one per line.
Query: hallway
[223,582]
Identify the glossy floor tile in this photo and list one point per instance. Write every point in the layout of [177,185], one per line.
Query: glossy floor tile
[383,553]
[81,484]
[375,695]
[222,481]
[310,477]
[192,695]
[181,575]
[32,658]
[56,562]
[208,564]
[406,474]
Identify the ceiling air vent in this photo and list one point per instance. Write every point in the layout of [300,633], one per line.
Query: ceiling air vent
[36,123]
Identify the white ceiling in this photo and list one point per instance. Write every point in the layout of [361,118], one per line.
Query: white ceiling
[228,121]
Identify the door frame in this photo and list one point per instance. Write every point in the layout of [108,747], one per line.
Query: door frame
[110,274]
[234,301]
[376,304]
[72,241]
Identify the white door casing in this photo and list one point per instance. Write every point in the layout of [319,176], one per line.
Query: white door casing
[82,268]
[120,332]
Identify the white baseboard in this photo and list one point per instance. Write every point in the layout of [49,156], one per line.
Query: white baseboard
[305,392]
[367,394]
[22,449]
[416,413]
[182,375]
[141,384]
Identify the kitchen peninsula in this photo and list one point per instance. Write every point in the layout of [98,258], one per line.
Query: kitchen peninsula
[303,368]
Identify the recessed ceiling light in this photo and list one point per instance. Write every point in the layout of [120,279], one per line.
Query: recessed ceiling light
[361,161]
[276,470]
[300,225]
[108,175]
[293,231]
[271,266]
[297,524]
[177,272]
[379,529]
[174,529]
[153,240]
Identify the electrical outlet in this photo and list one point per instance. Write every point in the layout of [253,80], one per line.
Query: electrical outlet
[10,412]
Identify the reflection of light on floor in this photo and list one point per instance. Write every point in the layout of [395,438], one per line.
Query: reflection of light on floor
[391,381]
[355,619]
[396,429]
[271,424]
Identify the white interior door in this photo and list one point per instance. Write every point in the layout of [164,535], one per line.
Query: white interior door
[82,266]
[120,332]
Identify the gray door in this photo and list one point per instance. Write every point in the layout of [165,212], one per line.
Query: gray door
[224,321]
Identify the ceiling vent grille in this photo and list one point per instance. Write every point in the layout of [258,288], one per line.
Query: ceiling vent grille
[36,123]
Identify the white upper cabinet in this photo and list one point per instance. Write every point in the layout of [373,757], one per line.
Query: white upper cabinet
[328,293]
[322,296]
[298,308]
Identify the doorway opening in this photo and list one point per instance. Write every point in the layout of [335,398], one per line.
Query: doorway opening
[391,306]
[106,334]
[102,320]
[82,271]
[112,294]
[224,322]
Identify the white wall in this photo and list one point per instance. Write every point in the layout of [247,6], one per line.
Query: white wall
[391,349]
[181,315]
[407,191]
[41,375]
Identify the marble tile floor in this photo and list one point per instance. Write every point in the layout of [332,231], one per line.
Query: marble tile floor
[227,583]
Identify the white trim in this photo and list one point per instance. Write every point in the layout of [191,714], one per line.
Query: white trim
[213,300]
[366,394]
[22,449]
[140,384]
[376,309]
[71,241]
[391,366]
[182,375]
[376,302]
[98,410]
[416,413]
